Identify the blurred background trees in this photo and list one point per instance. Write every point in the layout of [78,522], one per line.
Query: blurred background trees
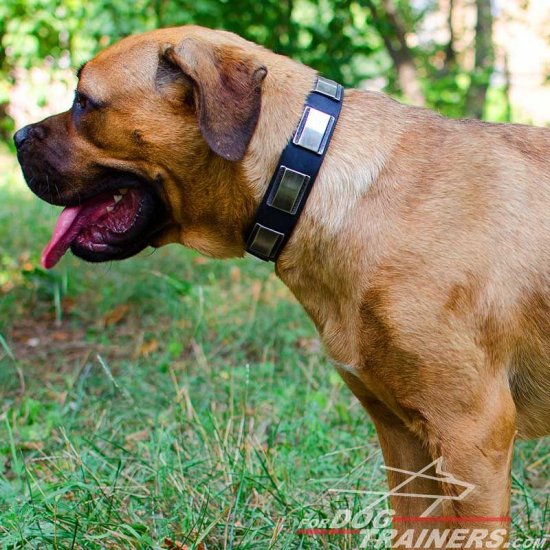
[472,58]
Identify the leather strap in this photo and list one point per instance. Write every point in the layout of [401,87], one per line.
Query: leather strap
[296,172]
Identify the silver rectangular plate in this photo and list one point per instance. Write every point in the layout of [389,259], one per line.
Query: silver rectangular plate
[288,190]
[313,130]
[265,241]
[329,88]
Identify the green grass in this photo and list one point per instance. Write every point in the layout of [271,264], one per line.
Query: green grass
[173,397]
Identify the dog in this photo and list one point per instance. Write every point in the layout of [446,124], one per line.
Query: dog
[422,253]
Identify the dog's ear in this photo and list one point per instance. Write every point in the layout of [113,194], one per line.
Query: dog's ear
[227,92]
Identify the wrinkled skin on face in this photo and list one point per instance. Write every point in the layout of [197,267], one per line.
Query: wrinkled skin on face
[170,115]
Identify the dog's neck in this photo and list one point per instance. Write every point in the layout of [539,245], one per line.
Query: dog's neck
[319,263]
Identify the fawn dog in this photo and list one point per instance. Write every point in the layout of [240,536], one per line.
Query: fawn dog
[422,254]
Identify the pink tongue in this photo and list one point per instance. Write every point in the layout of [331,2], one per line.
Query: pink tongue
[64,233]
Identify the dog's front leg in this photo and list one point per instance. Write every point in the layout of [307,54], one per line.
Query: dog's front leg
[464,458]
[403,451]
[472,440]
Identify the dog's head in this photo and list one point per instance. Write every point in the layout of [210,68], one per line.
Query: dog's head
[152,148]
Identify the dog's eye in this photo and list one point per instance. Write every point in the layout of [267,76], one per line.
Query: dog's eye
[80,100]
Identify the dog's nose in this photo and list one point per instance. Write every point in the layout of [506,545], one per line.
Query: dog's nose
[21,136]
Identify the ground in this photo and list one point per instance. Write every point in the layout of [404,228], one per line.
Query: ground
[170,401]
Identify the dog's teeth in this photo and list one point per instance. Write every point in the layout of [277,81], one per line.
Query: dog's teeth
[117,198]
[123,191]
[110,208]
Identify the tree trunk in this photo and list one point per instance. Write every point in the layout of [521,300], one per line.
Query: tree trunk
[450,54]
[392,30]
[484,60]
[507,83]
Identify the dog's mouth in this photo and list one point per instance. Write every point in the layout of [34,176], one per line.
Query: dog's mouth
[109,226]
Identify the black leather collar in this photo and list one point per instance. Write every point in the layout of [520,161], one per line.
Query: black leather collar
[295,174]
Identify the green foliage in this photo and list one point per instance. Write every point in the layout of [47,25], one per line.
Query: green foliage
[342,39]
[327,34]
[347,40]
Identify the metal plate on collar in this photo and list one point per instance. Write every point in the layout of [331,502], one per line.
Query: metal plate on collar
[288,190]
[329,88]
[313,130]
[264,242]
